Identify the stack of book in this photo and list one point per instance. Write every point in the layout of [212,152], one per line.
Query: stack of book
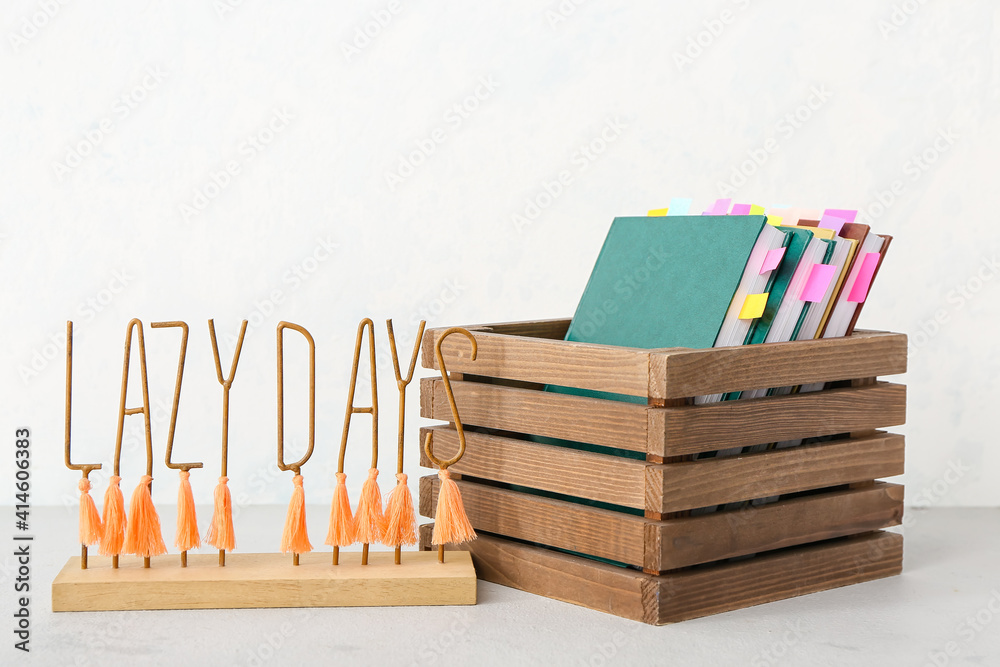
[730,276]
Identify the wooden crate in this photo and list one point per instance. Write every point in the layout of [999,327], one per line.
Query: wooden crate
[622,525]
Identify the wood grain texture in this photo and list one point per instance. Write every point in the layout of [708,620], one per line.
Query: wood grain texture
[577,418]
[677,543]
[556,523]
[621,370]
[571,472]
[678,596]
[264,580]
[691,484]
[534,351]
[675,431]
[717,370]
[614,590]
[658,546]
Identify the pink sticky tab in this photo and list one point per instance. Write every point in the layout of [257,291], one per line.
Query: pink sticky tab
[818,282]
[845,214]
[832,222]
[720,207]
[740,209]
[864,280]
[772,259]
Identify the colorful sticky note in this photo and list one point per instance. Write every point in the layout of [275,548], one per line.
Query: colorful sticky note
[772,259]
[679,206]
[740,209]
[657,212]
[753,306]
[774,220]
[818,282]
[756,210]
[864,280]
[720,207]
[832,222]
[848,215]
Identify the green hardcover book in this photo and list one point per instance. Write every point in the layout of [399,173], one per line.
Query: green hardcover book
[666,281]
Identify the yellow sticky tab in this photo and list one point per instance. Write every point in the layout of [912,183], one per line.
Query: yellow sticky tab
[774,220]
[756,210]
[657,212]
[753,306]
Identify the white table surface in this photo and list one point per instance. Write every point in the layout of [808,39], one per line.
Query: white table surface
[951,576]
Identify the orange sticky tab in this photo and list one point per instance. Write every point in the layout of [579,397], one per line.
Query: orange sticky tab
[753,306]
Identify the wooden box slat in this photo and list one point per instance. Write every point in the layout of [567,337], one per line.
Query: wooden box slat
[687,594]
[571,472]
[718,370]
[668,431]
[621,370]
[535,352]
[557,523]
[579,418]
[689,429]
[706,482]
[658,546]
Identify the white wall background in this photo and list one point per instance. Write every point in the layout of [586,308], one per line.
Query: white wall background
[442,243]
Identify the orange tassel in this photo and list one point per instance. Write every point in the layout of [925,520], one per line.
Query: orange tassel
[221,534]
[90,520]
[187,521]
[113,521]
[143,536]
[341,532]
[451,525]
[295,537]
[400,520]
[369,523]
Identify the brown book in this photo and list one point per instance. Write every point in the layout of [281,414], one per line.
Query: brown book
[886,240]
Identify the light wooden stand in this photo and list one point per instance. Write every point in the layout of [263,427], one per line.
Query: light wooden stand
[265,580]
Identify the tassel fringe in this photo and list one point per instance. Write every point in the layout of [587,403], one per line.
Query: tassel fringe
[451,524]
[400,520]
[187,521]
[143,537]
[221,533]
[90,520]
[341,532]
[113,520]
[369,523]
[295,537]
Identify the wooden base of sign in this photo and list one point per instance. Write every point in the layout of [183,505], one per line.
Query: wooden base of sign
[266,580]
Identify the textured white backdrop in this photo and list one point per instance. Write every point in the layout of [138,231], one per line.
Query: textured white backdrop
[117,117]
